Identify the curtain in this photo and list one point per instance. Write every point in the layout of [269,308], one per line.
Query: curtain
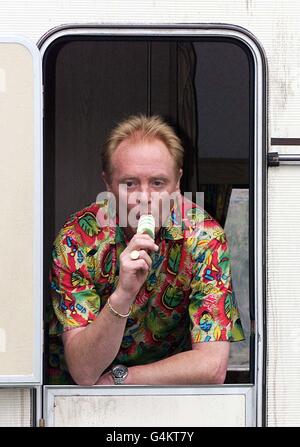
[216,197]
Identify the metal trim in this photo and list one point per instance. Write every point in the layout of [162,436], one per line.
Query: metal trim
[79,28]
[276,159]
[38,405]
[288,157]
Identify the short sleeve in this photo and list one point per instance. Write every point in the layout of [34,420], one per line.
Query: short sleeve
[74,299]
[213,310]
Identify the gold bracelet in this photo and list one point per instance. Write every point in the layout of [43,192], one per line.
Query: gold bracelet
[115,313]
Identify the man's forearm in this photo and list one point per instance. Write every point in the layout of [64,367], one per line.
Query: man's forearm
[89,352]
[186,368]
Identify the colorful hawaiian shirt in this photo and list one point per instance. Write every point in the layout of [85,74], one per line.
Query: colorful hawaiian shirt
[187,297]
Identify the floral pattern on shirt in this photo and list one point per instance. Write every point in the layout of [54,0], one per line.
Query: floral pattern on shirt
[187,297]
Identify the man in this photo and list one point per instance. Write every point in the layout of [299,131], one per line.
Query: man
[166,316]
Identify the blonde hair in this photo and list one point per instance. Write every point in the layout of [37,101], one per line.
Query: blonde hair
[141,127]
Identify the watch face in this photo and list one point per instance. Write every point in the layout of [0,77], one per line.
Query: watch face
[120,371]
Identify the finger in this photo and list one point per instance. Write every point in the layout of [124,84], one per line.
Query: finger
[126,257]
[140,264]
[144,255]
[142,244]
[142,235]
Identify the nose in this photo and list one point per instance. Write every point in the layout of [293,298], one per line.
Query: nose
[144,196]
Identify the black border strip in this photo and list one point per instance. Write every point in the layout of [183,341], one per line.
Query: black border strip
[285,141]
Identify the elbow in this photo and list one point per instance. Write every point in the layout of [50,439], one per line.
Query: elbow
[218,375]
[84,382]
[219,379]
[83,377]
[81,374]
[213,363]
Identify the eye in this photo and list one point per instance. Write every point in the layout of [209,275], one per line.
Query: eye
[158,183]
[129,183]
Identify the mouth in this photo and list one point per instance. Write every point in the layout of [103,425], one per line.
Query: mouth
[138,215]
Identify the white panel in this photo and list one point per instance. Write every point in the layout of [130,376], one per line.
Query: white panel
[283,297]
[15,407]
[20,318]
[274,22]
[151,409]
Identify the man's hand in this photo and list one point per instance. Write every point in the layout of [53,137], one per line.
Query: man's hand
[133,273]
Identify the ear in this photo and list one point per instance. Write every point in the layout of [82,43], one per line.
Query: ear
[178,179]
[106,180]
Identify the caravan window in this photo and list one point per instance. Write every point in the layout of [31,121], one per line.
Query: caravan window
[204,86]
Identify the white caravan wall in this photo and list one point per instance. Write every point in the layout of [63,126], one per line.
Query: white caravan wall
[15,407]
[274,22]
[284,297]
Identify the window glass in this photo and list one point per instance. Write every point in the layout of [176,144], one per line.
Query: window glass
[237,229]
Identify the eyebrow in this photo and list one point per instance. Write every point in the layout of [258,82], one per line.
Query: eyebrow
[161,176]
[154,177]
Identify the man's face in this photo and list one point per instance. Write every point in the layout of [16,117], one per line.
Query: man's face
[144,177]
